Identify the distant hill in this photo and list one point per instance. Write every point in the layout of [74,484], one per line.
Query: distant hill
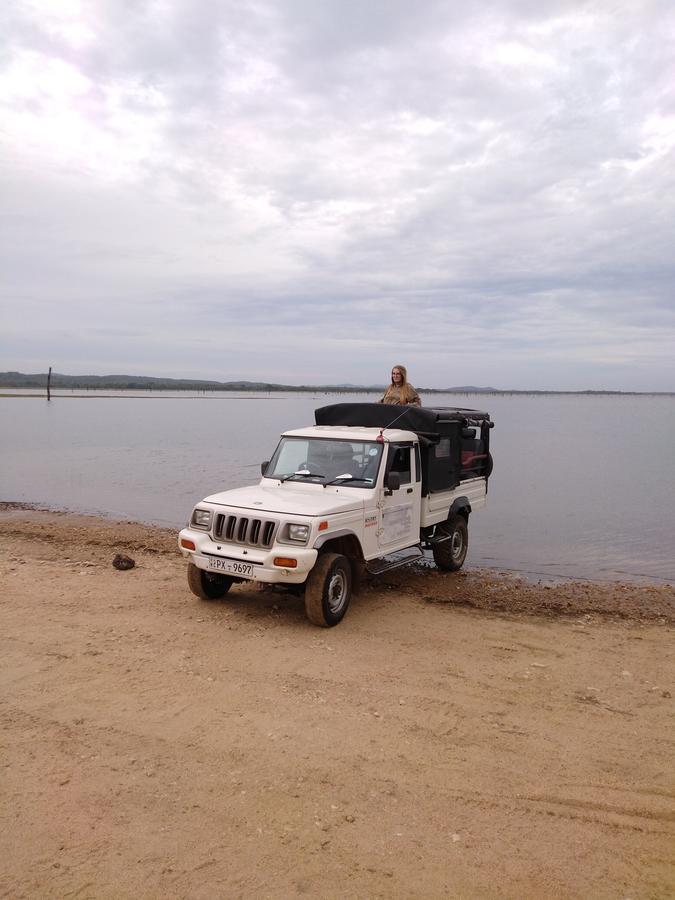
[132,382]
[148,383]
[470,389]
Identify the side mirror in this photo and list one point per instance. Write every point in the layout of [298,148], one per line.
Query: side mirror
[263,466]
[393,481]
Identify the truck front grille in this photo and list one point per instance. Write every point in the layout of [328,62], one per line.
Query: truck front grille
[243,530]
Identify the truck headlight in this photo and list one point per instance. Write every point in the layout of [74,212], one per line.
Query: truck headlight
[298,533]
[201,518]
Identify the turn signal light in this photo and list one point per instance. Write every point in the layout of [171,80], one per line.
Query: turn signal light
[189,545]
[286,562]
[323,525]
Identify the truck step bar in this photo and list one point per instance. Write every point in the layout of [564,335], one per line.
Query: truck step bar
[384,563]
[436,539]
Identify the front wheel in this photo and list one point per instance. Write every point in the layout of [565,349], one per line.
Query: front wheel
[207,585]
[450,552]
[328,590]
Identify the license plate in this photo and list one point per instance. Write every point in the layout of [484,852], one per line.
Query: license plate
[231,566]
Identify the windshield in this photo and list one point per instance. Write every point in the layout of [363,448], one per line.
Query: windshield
[326,461]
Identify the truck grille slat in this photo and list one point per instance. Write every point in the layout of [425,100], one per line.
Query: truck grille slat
[242,530]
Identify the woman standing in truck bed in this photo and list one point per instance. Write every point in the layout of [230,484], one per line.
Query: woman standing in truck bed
[400,391]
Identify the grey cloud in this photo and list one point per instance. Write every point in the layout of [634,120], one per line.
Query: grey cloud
[502,175]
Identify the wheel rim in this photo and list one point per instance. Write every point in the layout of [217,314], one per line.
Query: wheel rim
[337,591]
[456,544]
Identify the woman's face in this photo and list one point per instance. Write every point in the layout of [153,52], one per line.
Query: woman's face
[396,376]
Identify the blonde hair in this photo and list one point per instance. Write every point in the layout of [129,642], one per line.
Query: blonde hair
[407,393]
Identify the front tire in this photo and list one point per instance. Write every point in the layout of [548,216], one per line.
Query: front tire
[328,590]
[207,585]
[451,553]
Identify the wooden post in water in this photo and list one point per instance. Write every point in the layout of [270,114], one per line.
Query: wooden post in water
[49,379]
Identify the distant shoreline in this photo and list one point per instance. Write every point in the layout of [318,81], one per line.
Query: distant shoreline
[165,393]
[22,381]
[102,394]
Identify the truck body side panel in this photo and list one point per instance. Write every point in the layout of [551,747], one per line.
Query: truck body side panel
[435,507]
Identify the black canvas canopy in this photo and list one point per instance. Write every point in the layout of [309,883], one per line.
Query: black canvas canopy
[422,420]
[450,437]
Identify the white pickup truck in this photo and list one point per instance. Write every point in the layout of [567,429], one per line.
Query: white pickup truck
[352,492]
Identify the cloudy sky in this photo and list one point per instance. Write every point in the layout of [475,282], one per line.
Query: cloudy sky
[313,190]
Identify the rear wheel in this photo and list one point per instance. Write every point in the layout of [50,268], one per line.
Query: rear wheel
[450,553]
[328,590]
[207,585]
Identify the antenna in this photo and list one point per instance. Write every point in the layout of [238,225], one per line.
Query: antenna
[380,438]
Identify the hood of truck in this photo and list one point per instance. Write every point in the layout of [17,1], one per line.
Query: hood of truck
[289,499]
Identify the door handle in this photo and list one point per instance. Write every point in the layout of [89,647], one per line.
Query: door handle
[409,491]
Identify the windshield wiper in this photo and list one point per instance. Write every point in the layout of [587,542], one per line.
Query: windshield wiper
[302,473]
[346,478]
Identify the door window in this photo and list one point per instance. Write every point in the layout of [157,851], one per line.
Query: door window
[399,461]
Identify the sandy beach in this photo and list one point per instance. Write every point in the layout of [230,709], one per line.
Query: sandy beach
[458,735]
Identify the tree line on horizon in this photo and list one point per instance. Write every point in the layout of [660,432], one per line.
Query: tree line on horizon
[147,382]
[150,383]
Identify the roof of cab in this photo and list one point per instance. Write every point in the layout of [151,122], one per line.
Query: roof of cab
[350,433]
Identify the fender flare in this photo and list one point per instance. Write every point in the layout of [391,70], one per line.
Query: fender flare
[330,535]
[459,505]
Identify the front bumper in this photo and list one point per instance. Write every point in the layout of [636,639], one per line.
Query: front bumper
[261,561]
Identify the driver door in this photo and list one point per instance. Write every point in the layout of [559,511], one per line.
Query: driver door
[400,510]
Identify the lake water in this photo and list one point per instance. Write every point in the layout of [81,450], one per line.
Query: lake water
[583,486]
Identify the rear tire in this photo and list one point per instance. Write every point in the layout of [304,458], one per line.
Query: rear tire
[328,590]
[451,553]
[207,585]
